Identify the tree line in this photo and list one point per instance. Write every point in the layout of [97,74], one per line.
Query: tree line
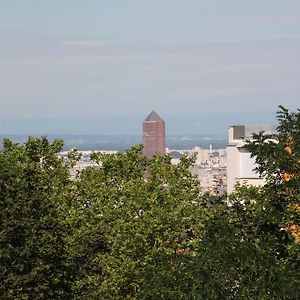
[138,228]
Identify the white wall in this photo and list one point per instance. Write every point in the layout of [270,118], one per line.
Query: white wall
[247,164]
[240,166]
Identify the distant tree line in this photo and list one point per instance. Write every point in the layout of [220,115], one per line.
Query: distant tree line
[138,228]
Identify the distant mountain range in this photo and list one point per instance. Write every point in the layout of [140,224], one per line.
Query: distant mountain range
[123,142]
[211,123]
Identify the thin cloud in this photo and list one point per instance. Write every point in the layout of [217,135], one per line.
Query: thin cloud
[269,17]
[280,18]
[82,43]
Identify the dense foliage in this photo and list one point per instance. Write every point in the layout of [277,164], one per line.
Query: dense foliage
[134,228]
[33,184]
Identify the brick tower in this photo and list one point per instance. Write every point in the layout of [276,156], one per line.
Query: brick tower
[154,135]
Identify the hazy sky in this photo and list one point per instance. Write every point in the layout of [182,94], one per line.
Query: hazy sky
[75,58]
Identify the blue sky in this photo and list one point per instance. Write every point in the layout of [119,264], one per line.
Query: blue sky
[93,58]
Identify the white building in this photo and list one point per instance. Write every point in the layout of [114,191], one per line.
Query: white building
[240,166]
[202,155]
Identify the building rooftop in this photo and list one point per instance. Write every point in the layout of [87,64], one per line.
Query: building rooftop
[246,131]
[153,116]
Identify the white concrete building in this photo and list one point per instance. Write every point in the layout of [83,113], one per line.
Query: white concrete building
[202,155]
[240,166]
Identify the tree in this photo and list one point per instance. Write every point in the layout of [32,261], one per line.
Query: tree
[149,225]
[250,244]
[110,233]
[33,184]
[278,159]
[238,258]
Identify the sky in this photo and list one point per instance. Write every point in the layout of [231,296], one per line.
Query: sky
[63,60]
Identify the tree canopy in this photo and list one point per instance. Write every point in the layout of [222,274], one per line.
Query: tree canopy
[130,227]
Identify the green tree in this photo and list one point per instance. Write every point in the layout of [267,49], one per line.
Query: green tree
[278,159]
[33,184]
[149,212]
[238,258]
[250,244]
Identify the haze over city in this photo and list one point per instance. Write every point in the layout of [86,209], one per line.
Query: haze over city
[92,66]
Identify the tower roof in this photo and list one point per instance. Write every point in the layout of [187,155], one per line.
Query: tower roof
[153,116]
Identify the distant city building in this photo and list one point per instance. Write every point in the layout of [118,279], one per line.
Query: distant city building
[202,155]
[240,166]
[154,135]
